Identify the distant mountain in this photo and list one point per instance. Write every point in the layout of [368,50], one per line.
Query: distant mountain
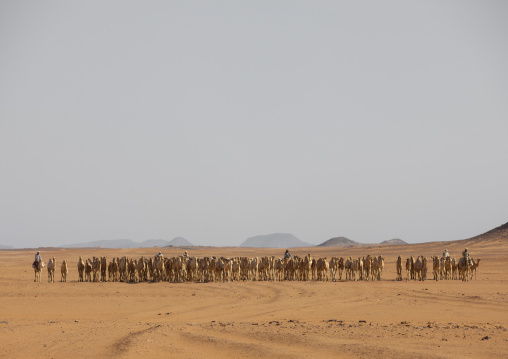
[127,243]
[180,242]
[393,242]
[5,247]
[340,242]
[276,240]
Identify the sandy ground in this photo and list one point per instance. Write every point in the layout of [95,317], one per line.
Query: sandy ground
[389,319]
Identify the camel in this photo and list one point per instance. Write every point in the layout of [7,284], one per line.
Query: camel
[104,268]
[341,267]
[378,265]
[51,270]
[88,270]
[210,274]
[96,269]
[436,267]
[307,267]
[272,268]
[122,268]
[244,267]
[116,269]
[367,267]
[347,266]
[192,269]
[38,265]
[334,264]
[131,269]
[263,268]
[253,268]
[448,268]
[81,268]
[63,271]
[322,268]
[279,269]
[418,268]
[413,272]
[203,269]
[455,270]
[228,269]
[360,268]
[399,268]
[424,268]
[158,268]
[408,268]
[235,272]
[474,267]
[142,269]
[353,268]
[463,269]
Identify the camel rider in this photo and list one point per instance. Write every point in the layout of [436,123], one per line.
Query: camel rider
[446,254]
[186,255]
[159,254]
[466,254]
[37,258]
[287,255]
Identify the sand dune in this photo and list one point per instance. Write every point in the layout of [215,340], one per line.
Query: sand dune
[429,319]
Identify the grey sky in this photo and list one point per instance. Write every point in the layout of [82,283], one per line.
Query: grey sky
[218,121]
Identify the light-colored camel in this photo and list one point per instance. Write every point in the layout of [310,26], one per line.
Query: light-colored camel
[399,268]
[474,267]
[51,270]
[455,269]
[81,269]
[418,268]
[158,268]
[448,268]
[322,268]
[334,266]
[347,266]
[63,271]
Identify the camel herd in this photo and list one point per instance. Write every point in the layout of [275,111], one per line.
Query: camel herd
[443,268]
[221,269]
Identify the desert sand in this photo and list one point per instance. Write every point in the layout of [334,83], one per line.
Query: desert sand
[387,318]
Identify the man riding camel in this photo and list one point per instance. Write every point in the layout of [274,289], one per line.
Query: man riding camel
[446,254]
[287,255]
[37,258]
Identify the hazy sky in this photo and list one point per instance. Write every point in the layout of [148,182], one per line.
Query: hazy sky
[221,120]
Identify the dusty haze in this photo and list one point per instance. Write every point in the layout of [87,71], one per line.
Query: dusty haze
[222,121]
